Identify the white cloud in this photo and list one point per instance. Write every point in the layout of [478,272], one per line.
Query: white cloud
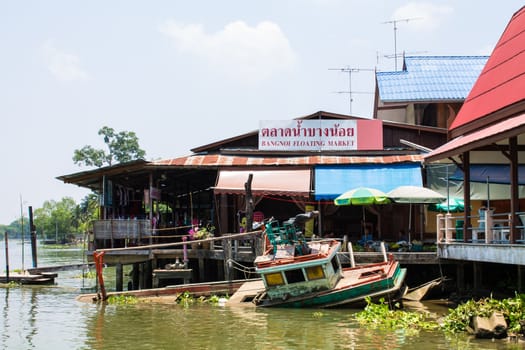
[421,15]
[248,53]
[64,66]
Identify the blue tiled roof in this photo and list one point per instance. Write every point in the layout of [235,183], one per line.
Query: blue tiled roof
[431,78]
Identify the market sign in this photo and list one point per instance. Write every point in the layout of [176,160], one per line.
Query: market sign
[320,135]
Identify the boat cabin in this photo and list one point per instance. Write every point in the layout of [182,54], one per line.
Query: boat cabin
[286,274]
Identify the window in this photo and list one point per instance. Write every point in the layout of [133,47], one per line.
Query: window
[315,273]
[335,263]
[294,276]
[274,279]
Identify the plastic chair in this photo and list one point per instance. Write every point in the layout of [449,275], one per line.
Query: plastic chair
[459,229]
[271,231]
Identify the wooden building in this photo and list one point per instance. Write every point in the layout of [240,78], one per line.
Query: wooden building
[208,186]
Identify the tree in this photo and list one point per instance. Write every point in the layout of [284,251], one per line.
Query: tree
[122,147]
[56,218]
[86,212]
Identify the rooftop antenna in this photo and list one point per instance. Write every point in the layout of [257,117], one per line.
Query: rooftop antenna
[395,22]
[350,70]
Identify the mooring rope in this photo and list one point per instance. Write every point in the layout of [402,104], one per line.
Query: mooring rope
[247,270]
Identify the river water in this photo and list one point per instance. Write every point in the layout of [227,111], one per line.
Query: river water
[49,317]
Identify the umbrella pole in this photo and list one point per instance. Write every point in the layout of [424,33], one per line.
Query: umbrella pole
[488,193]
[409,223]
[363,228]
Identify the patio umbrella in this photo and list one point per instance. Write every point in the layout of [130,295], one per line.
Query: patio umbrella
[362,196]
[453,205]
[414,195]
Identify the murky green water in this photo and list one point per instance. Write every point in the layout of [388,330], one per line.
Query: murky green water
[49,317]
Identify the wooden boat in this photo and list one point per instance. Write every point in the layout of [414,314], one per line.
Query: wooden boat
[298,274]
[205,289]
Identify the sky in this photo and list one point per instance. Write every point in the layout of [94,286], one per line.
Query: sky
[182,74]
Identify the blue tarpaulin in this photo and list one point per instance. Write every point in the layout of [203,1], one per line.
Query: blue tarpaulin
[333,180]
[492,173]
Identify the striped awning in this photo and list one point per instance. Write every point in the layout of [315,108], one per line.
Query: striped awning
[265,182]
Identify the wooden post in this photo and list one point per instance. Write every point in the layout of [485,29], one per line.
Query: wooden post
[440,237]
[201,270]
[449,228]
[6,258]
[148,274]
[514,195]
[489,234]
[119,277]
[142,280]
[33,236]
[466,197]
[477,275]
[135,276]
[227,249]
[99,263]
[249,203]
[520,279]
[351,254]
[460,274]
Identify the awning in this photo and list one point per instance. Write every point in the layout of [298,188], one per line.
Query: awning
[331,181]
[276,182]
[491,173]
[489,135]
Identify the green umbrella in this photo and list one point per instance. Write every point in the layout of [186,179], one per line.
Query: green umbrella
[362,196]
[453,205]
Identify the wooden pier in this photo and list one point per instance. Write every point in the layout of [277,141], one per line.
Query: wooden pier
[29,278]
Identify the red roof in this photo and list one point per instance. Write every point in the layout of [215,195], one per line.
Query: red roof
[502,80]
[491,134]
[223,160]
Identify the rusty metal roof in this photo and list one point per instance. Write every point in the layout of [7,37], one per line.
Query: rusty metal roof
[217,160]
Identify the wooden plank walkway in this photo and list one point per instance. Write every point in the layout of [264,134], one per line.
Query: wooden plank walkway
[246,293]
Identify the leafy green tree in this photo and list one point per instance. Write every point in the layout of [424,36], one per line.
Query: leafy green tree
[56,219]
[122,147]
[86,212]
[15,228]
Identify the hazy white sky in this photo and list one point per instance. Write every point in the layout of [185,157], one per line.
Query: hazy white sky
[181,74]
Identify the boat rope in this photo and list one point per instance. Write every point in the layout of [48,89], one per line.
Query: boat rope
[344,258]
[247,270]
[174,244]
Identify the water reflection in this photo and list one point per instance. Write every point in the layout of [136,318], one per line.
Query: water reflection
[205,327]
[49,317]
[5,320]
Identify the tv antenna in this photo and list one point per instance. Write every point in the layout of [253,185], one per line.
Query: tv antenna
[395,22]
[350,70]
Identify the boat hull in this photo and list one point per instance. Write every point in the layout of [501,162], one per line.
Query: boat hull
[349,292]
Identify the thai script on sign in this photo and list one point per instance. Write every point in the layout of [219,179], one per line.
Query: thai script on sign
[310,135]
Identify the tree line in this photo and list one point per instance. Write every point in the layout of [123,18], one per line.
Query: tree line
[61,220]
[65,219]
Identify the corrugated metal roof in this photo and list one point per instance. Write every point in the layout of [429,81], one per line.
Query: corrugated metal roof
[215,160]
[431,78]
[491,134]
[502,81]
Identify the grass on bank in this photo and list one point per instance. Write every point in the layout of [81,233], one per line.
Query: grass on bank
[185,300]
[381,316]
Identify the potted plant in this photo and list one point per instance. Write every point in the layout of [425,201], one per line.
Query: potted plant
[200,233]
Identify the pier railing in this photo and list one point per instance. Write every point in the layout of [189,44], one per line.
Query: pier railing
[490,229]
[119,233]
